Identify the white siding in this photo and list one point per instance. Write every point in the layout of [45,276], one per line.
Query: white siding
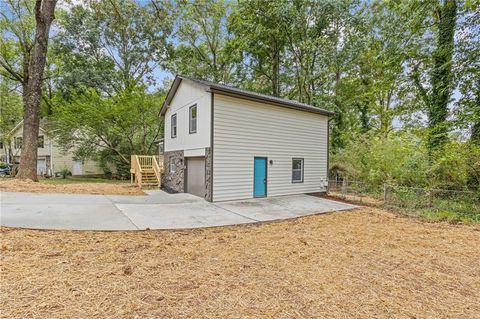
[245,129]
[188,94]
[59,159]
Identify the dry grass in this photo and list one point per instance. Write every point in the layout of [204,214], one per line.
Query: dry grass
[358,264]
[14,185]
[356,198]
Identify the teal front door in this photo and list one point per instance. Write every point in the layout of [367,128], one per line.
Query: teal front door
[260,177]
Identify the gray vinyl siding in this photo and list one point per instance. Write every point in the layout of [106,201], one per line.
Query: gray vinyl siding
[244,129]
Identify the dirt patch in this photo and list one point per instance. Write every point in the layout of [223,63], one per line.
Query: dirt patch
[358,264]
[14,185]
[353,198]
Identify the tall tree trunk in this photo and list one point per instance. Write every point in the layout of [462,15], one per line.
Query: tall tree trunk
[475,136]
[276,71]
[32,94]
[441,78]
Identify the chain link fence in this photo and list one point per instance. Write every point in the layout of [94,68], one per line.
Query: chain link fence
[355,191]
[438,204]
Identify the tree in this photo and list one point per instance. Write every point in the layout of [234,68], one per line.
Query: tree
[261,42]
[109,127]
[438,96]
[467,68]
[11,112]
[112,45]
[108,53]
[31,72]
[204,49]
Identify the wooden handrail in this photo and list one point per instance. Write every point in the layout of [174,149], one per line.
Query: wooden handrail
[156,169]
[135,168]
[144,163]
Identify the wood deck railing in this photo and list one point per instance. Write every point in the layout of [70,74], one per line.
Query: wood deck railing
[145,170]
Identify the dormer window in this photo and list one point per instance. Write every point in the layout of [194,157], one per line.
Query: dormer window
[193,119]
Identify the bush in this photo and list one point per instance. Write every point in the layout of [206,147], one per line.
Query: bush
[375,160]
[403,159]
[64,173]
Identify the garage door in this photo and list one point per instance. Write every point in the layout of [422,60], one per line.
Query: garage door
[196,176]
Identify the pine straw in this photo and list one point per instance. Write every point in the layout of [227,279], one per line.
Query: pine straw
[358,264]
[14,185]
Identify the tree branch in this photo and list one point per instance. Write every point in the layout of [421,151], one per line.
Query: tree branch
[418,84]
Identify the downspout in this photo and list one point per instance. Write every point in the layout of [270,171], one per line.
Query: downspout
[328,152]
[211,146]
[51,156]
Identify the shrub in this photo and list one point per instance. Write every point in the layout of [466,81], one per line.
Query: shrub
[64,173]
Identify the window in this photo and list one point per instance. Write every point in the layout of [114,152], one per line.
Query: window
[174,125]
[173,167]
[18,142]
[297,170]
[41,141]
[193,119]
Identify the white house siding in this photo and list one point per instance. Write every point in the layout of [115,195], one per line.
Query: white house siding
[64,160]
[58,159]
[188,94]
[244,129]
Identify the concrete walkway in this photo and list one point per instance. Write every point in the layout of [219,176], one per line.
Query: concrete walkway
[157,210]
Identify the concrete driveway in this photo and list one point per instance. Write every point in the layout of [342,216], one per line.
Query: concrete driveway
[157,210]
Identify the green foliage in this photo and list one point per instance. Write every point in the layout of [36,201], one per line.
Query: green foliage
[441,78]
[109,127]
[376,160]
[439,205]
[112,45]
[64,173]
[387,68]
[11,108]
[17,27]
[403,159]
[204,49]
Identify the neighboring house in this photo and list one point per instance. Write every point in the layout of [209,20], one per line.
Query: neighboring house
[223,143]
[51,157]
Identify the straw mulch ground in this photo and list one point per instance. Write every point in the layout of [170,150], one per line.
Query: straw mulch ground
[14,185]
[359,264]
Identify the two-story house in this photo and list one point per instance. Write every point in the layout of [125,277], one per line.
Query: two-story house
[224,143]
[51,157]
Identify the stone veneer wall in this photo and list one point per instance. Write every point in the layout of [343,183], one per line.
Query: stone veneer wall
[208,173]
[174,182]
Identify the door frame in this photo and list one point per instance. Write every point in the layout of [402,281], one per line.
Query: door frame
[185,171]
[81,167]
[41,172]
[266,176]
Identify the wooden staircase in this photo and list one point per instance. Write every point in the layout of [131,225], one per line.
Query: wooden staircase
[145,171]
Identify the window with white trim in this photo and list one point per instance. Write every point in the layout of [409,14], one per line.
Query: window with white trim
[18,141]
[173,123]
[193,119]
[297,170]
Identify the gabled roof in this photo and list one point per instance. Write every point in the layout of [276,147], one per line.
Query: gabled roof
[240,93]
[20,124]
